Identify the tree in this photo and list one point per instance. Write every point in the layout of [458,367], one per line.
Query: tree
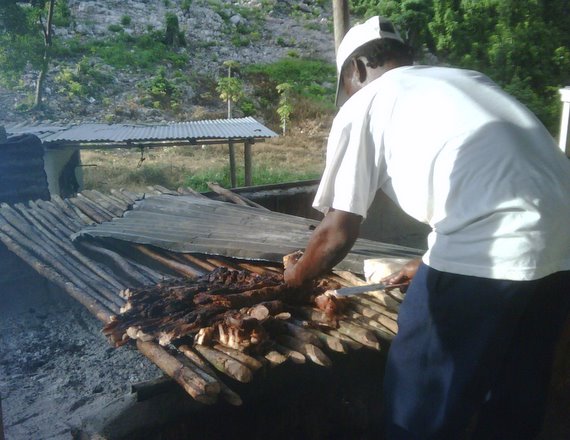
[285,107]
[26,33]
[523,45]
[230,88]
[20,43]
[47,34]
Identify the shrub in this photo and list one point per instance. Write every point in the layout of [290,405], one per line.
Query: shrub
[115,28]
[162,92]
[185,6]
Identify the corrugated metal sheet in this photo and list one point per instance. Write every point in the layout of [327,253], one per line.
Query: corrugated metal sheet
[199,225]
[42,131]
[242,128]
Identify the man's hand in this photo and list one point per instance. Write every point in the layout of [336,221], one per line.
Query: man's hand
[404,275]
[328,245]
[290,274]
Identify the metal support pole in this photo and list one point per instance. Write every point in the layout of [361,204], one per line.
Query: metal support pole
[247,163]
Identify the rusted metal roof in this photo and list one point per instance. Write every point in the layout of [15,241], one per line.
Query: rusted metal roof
[192,131]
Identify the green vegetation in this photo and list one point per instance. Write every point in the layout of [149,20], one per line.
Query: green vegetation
[185,6]
[285,107]
[162,92]
[125,51]
[522,45]
[85,79]
[311,78]
[263,175]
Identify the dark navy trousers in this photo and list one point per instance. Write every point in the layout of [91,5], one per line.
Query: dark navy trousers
[471,346]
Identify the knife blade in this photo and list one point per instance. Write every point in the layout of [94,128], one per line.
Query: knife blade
[356,290]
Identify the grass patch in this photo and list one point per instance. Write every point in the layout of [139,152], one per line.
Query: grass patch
[262,175]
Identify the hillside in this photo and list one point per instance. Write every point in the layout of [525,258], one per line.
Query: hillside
[110,62]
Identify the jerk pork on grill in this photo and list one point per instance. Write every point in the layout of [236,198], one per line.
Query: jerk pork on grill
[230,308]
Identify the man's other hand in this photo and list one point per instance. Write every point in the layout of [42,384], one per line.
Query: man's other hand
[404,275]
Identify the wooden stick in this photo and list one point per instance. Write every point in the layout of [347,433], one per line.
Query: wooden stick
[259,270]
[190,191]
[350,277]
[88,210]
[222,262]
[178,257]
[250,362]
[225,364]
[132,196]
[383,299]
[331,342]
[163,190]
[96,206]
[275,358]
[208,267]
[124,197]
[87,266]
[359,334]
[351,343]
[84,218]
[177,267]
[226,392]
[381,322]
[128,269]
[65,208]
[118,203]
[313,352]
[83,296]
[58,214]
[194,384]
[104,203]
[375,327]
[294,330]
[233,197]
[295,356]
[61,251]
[370,308]
[37,247]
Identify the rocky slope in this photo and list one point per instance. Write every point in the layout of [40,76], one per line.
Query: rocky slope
[210,27]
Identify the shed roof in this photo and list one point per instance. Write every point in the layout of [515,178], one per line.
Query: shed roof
[121,134]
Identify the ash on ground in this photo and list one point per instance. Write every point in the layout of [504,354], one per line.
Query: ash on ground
[56,368]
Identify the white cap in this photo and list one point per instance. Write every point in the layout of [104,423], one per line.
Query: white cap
[374,28]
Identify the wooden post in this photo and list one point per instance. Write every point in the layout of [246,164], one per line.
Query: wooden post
[341,17]
[563,140]
[232,163]
[247,163]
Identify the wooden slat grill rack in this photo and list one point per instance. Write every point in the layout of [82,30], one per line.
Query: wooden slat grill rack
[94,274]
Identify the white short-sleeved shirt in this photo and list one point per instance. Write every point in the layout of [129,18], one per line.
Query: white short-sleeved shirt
[457,153]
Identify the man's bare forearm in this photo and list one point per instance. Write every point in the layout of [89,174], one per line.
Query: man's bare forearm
[328,245]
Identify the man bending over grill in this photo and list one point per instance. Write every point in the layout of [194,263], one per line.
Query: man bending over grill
[487,301]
